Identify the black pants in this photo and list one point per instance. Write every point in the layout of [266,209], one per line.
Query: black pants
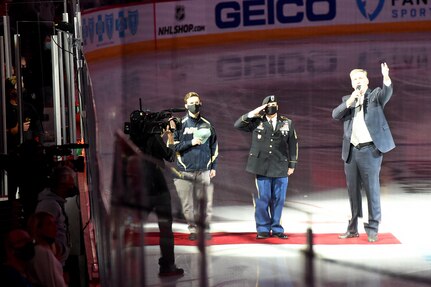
[161,205]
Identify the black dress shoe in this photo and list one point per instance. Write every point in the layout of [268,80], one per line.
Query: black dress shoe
[348,234]
[172,270]
[280,235]
[262,235]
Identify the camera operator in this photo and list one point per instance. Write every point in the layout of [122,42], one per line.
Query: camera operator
[152,144]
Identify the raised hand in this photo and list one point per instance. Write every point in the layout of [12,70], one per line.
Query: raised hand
[385,69]
[256,112]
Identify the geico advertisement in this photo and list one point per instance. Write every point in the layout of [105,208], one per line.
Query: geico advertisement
[193,17]
[261,14]
[198,17]
[171,19]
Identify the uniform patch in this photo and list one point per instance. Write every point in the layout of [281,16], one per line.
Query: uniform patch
[285,128]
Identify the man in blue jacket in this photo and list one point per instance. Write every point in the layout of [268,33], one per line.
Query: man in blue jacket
[197,151]
[366,138]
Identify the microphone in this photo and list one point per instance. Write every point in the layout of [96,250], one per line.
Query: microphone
[358,88]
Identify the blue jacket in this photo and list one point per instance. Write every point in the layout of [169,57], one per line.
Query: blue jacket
[374,103]
[199,157]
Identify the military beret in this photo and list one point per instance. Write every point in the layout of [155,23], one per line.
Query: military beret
[269,99]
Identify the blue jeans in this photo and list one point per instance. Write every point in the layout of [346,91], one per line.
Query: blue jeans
[271,194]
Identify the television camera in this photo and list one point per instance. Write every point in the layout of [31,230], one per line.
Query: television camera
[145,123]
[33,163]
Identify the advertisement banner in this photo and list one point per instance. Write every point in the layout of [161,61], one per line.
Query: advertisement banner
[181,19]
[173,20]
[103,28]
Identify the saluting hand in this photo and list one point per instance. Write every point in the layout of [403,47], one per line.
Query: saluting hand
[256,112]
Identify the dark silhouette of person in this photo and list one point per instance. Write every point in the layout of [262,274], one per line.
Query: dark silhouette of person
[159,198]
[19,250]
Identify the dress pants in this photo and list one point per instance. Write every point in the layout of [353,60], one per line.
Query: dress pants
[363,170]
[195,192]
[269,203]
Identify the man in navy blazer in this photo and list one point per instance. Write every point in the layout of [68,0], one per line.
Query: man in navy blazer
[366,138]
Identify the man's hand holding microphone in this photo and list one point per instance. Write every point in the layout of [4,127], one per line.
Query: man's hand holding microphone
[354,97]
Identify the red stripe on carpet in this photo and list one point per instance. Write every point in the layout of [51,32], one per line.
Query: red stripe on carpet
[222,238]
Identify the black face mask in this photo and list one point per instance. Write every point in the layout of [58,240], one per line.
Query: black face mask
[25,253]
[271,110]
[194,109]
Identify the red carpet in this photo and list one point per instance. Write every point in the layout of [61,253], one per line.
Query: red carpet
[221,238]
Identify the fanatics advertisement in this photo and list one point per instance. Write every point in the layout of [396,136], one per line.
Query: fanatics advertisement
[150,22]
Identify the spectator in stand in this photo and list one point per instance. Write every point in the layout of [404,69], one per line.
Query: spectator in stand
[45,269]
[31,130]
[52,200]
[31,125]
[12,120]
[28,169]
[19,250]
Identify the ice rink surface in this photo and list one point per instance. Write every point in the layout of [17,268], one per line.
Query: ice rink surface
[309,77]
